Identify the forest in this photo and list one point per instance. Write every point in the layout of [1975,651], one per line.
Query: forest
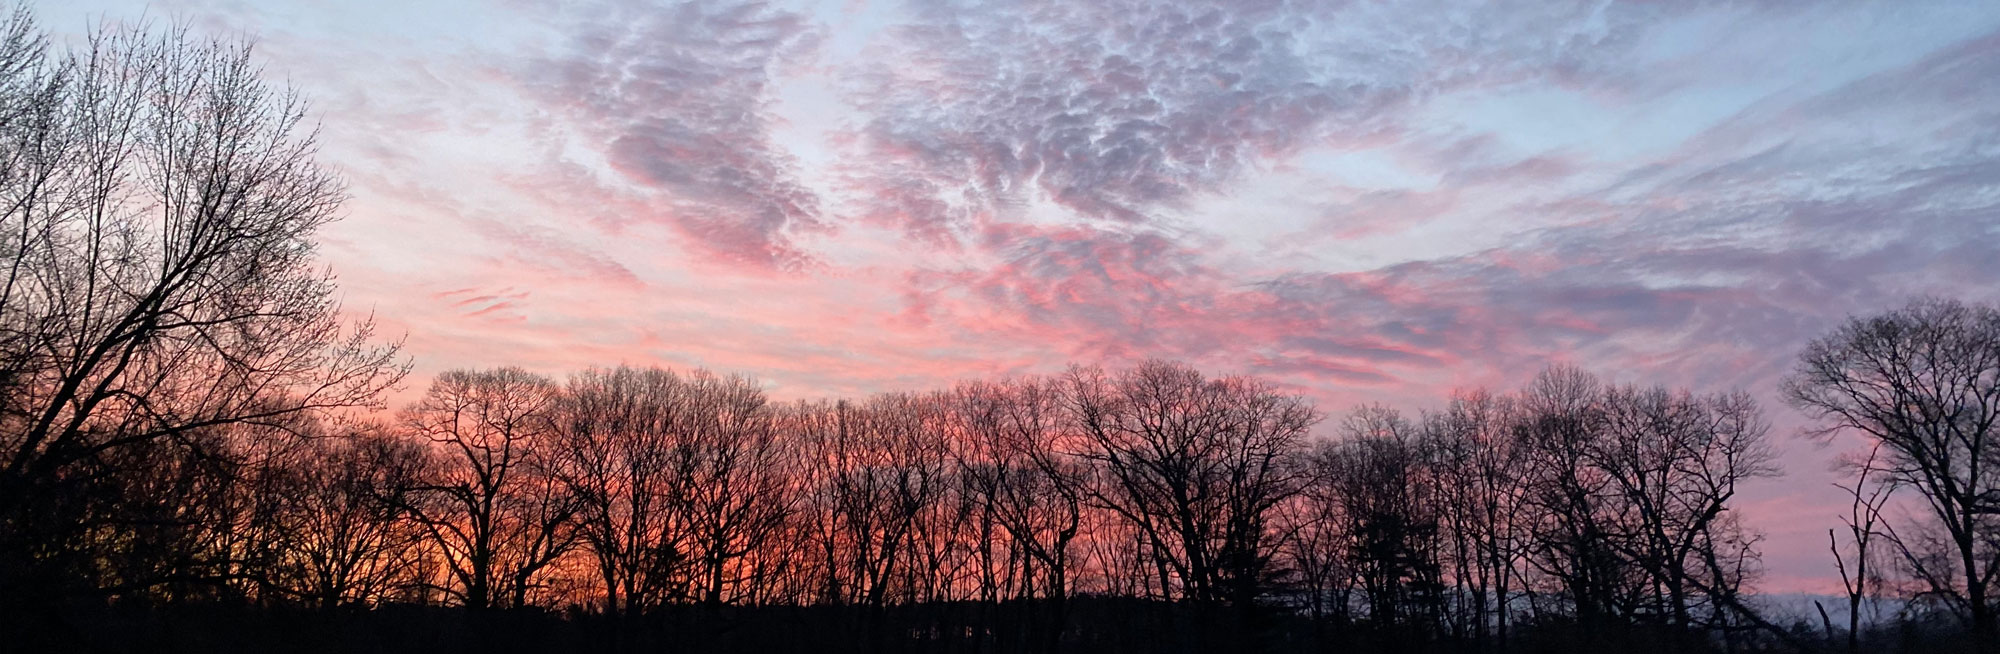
[198,453]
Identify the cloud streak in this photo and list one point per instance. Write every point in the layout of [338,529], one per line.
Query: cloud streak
[674,100]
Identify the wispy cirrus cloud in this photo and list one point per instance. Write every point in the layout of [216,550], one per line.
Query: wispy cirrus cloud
[674,99]
[1123,111]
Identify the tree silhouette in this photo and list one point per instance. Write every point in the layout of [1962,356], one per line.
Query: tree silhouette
[161,304]
[1924,380]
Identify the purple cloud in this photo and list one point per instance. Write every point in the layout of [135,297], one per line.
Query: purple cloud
[673,98]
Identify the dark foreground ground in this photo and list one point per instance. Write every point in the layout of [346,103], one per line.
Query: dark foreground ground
[1095,626]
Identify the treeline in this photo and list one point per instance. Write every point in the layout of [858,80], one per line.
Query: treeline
[1599,509]
[195,453]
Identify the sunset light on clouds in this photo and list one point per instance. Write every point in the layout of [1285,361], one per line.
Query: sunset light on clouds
[1365,202]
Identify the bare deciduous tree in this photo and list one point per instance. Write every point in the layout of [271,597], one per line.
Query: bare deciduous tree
[1675,461]
[1477,459]
[1014,467]
[492,505]
[1572,520]
[335,518]
[157,212]
[1196,465]
[1390,508]
[618,452]
[1924,380]
[741,493]
[1859,574]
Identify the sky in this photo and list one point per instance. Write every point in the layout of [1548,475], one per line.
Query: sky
[1361,201]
